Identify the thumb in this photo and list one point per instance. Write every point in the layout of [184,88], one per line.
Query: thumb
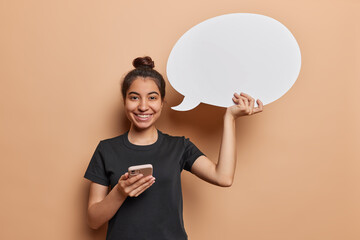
[124,176]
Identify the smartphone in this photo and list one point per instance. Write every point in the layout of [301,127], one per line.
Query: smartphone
[146,170]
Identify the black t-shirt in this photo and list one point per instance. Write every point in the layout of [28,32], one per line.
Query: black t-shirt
[157,213]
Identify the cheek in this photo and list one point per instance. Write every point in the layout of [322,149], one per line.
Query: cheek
[128,109]
[158,107]
[128,106]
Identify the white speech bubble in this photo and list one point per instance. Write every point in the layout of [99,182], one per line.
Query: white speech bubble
[240,52]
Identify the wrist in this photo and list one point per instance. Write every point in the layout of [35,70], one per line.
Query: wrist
[229,116]
[119,192]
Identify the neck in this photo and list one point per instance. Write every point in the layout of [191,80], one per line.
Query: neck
[143,136]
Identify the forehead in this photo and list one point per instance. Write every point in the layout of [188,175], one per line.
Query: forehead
[143,85]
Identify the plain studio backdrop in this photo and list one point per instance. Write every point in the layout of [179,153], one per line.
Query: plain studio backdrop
[61,63]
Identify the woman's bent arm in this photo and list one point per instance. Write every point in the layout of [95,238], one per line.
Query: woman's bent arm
[103,205]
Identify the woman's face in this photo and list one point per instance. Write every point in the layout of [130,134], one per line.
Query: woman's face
[143,103]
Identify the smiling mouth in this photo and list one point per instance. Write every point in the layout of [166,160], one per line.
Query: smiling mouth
[143,117]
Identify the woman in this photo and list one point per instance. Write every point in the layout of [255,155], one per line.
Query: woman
[137,207]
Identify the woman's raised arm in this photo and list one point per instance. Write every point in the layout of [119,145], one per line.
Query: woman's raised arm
[222,172]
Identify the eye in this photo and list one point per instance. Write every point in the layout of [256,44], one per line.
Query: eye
[153,97]
[133,97]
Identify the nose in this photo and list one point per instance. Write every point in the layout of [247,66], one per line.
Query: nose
[143,105]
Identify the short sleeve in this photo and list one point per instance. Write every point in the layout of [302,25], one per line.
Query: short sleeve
[190,155]
[96,171]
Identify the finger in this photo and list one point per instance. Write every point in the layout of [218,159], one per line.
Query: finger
[132,180]
[245,100]
[236,100]
[260,106]
[251,101]
[137,188]
[124,176]
[140,182]
[251,106]
[246,95]
[240,102]
[143,187]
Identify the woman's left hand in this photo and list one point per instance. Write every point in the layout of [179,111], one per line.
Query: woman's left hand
[244,106]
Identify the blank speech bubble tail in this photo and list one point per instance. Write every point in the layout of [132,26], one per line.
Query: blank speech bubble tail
[186,104]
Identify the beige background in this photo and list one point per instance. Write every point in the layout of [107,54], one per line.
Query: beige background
[60,67]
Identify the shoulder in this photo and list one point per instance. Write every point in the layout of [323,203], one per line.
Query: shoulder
[112,141]
[175,139]
[170,137]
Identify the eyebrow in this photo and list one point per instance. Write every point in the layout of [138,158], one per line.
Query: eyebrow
[147,94]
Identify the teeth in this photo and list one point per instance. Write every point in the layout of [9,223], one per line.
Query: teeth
[143,116]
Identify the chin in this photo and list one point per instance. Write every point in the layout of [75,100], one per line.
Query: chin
[142,125]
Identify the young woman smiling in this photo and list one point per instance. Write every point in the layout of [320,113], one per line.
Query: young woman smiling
[135,207]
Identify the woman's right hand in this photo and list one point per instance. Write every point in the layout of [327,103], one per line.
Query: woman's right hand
[134,186]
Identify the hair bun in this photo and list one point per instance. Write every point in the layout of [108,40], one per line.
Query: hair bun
[145,62]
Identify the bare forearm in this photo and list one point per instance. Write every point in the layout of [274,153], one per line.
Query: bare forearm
[101,212]
[225,167]
[222,173]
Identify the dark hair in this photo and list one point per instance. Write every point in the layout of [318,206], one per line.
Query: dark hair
[143,68]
